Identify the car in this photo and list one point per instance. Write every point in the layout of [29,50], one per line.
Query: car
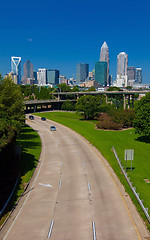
[53,128]
[43,118]
[31,117]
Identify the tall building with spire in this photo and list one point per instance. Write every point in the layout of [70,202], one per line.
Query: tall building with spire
[16,67]
[104,57]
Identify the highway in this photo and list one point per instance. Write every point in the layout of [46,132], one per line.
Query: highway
[73,195]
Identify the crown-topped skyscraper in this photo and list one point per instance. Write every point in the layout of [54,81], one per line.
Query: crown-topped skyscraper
[104,57]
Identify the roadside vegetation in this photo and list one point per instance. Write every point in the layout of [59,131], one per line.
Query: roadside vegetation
[103,140]
[30,143]
[14,134]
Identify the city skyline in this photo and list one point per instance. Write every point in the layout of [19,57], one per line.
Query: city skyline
[75,34]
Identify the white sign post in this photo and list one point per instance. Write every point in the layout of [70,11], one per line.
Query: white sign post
[129,155]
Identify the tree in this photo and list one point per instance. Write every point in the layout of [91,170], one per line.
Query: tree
[75,89]
[91,89]
[63,87]
[68,106]
[11,104]
[114,89]
[142,119]
[88,105]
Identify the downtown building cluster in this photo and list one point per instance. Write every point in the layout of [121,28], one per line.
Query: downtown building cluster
[42,77]
[100,77]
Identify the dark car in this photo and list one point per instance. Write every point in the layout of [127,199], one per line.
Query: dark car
[53,128]
[43,118]
[31,117]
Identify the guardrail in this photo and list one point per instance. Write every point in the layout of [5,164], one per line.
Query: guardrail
[5,205]
[145,210]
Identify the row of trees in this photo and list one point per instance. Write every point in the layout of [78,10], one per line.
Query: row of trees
[109,117]
[12,119]
[11,110]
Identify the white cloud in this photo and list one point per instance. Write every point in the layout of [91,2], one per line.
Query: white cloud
[29,40]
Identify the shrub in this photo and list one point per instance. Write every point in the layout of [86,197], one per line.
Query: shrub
[124,117]
[106,122]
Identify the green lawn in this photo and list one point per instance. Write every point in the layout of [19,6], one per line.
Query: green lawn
[121,140]
[31,148]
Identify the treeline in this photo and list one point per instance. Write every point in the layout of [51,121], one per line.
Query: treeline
[44,93]
[11,111]
[12,119]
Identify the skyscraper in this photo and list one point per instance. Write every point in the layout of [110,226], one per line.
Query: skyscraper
[52,76]
[35,76]
[101,73]
[104,57]
[122,64]
[138,75]
[28,72]
[131,73]
[42,76]
[16,67]
[82,71]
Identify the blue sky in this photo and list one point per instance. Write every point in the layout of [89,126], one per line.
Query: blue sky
[59,34]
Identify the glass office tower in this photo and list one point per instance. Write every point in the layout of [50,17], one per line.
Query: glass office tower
[104,57]
[53,76]
[82,72]
[101,73]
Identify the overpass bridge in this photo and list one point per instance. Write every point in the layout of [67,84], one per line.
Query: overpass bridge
[59,97]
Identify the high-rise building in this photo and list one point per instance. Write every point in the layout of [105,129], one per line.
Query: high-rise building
[138,75]
[101,73]
[131,73]
[104,57]
[42,76]
[35,76]
[53,76]
[28,72]
[16,67]
[82,71]
[122,64]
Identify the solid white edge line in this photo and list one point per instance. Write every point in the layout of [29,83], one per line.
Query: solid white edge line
[94,231]
[51,227]
[42,158]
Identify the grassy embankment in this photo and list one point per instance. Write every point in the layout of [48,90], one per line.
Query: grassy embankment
[31,148]
[121,140]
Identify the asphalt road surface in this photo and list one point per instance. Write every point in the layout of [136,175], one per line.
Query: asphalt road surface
[73,195]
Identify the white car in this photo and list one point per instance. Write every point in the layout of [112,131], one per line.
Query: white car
[53,128]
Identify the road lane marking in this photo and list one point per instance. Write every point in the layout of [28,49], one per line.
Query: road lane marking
[60,184]
[123,199]
[45,185]
[51,227]
[94,231]
[89,187]
[83,164]
[42,160]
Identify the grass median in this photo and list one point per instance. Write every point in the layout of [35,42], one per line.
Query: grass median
[104,140]
[30,143]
